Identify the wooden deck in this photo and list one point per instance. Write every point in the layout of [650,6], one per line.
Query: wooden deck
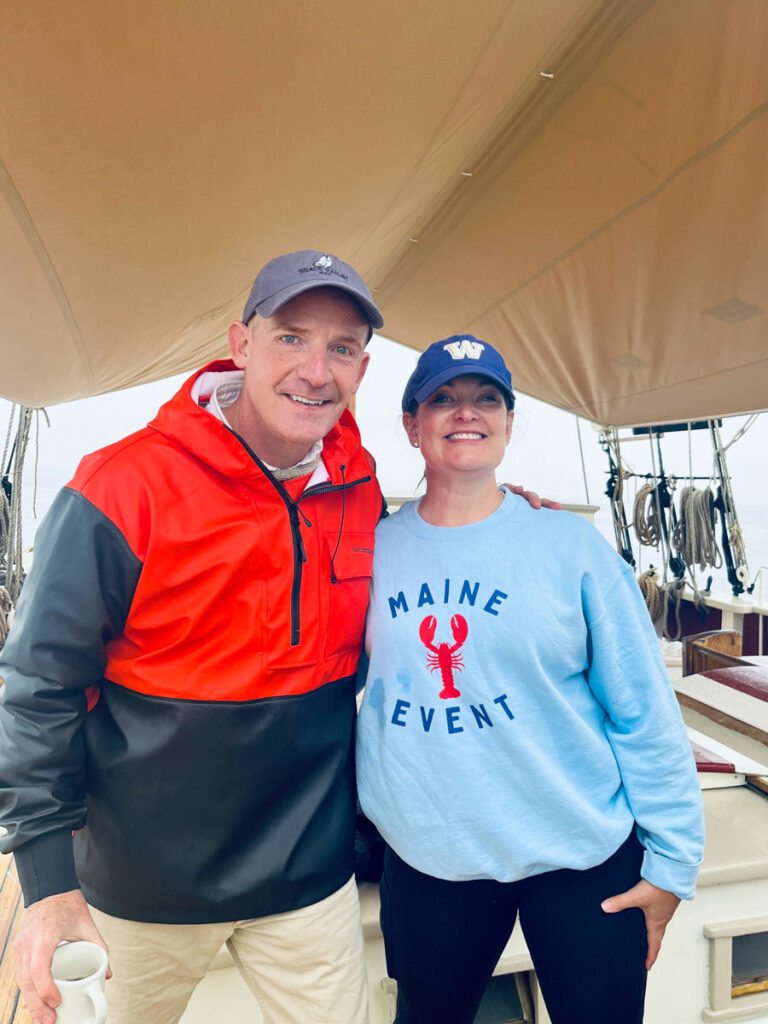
[11,905]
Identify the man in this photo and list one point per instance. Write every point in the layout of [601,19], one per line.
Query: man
[179,679]
[201,586]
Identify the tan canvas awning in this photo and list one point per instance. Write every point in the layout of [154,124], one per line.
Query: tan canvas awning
[582,183]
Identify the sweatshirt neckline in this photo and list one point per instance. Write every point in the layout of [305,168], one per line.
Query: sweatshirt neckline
[413,522]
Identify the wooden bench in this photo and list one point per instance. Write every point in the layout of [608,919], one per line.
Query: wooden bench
[12,1009]
[718,648]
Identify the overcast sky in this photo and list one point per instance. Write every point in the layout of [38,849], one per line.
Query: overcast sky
[543,453]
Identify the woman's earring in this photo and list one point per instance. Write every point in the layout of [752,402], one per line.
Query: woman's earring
[415,444]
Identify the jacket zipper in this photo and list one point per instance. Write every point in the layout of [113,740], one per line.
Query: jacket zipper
[299,553]
[327,488]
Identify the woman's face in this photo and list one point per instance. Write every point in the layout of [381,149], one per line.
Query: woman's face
[463,426]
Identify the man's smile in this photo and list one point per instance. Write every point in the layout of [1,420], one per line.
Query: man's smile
[309,401]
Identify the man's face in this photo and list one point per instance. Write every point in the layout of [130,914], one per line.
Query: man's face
[301,366]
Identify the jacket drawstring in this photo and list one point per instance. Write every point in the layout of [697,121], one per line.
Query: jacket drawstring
[341,523]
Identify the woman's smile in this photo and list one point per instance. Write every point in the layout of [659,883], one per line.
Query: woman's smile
[463,426]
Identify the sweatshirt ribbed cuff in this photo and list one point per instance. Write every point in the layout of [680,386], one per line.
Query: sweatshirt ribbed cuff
[46,866]
[670,875]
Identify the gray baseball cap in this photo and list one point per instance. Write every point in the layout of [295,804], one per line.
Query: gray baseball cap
[285,277]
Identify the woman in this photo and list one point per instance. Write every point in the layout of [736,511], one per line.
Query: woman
[519,744]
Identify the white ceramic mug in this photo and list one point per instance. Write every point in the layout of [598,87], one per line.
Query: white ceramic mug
[79,970]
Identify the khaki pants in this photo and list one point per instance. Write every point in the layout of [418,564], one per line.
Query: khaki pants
[305,966]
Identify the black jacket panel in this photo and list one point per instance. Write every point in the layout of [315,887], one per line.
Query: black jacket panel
[288,782]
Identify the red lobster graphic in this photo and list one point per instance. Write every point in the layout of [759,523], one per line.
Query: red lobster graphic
[444,657]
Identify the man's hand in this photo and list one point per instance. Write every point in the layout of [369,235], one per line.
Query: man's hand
[532,497]
[61,918]
[658,905]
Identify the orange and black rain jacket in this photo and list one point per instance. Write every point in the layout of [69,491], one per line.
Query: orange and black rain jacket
[211,624]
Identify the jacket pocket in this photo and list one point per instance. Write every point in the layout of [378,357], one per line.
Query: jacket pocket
[351,568]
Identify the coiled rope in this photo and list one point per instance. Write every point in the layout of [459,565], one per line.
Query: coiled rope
[646,518]
[694,535]
[658,599]
[652,593]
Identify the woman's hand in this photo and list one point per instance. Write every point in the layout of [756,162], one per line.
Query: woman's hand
[658,905]
[532,497]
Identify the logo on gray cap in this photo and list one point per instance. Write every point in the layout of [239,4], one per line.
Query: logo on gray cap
[324,265]
[285,277]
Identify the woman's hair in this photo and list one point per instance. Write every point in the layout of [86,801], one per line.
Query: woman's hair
[508,396]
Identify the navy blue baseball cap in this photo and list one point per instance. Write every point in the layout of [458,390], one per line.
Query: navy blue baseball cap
[453,357]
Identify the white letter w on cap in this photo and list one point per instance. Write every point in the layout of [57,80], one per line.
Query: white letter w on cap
[464,349]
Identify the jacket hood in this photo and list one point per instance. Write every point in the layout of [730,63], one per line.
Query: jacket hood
[190,426]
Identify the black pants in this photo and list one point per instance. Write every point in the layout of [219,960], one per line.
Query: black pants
[443,940]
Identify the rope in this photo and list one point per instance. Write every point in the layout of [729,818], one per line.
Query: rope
[5,610]
[694,535]
[673,591]
[8,438]
[652,595]
[37,453]
[5,517]
[646,518]
[658,599]
[14,571]
[583,467]
[741,431]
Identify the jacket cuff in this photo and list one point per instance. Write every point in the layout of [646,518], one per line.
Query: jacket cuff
[46,866]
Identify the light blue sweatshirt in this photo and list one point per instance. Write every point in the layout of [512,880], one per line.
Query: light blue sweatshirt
[517,717]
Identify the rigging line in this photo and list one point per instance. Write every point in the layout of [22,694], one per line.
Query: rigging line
[620,477]
[751,420]
[8,436]
[649,476]
[666,551]
[614,485]
[37,454]
[11,555]
[583,467]
[640,544]
[15,571]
